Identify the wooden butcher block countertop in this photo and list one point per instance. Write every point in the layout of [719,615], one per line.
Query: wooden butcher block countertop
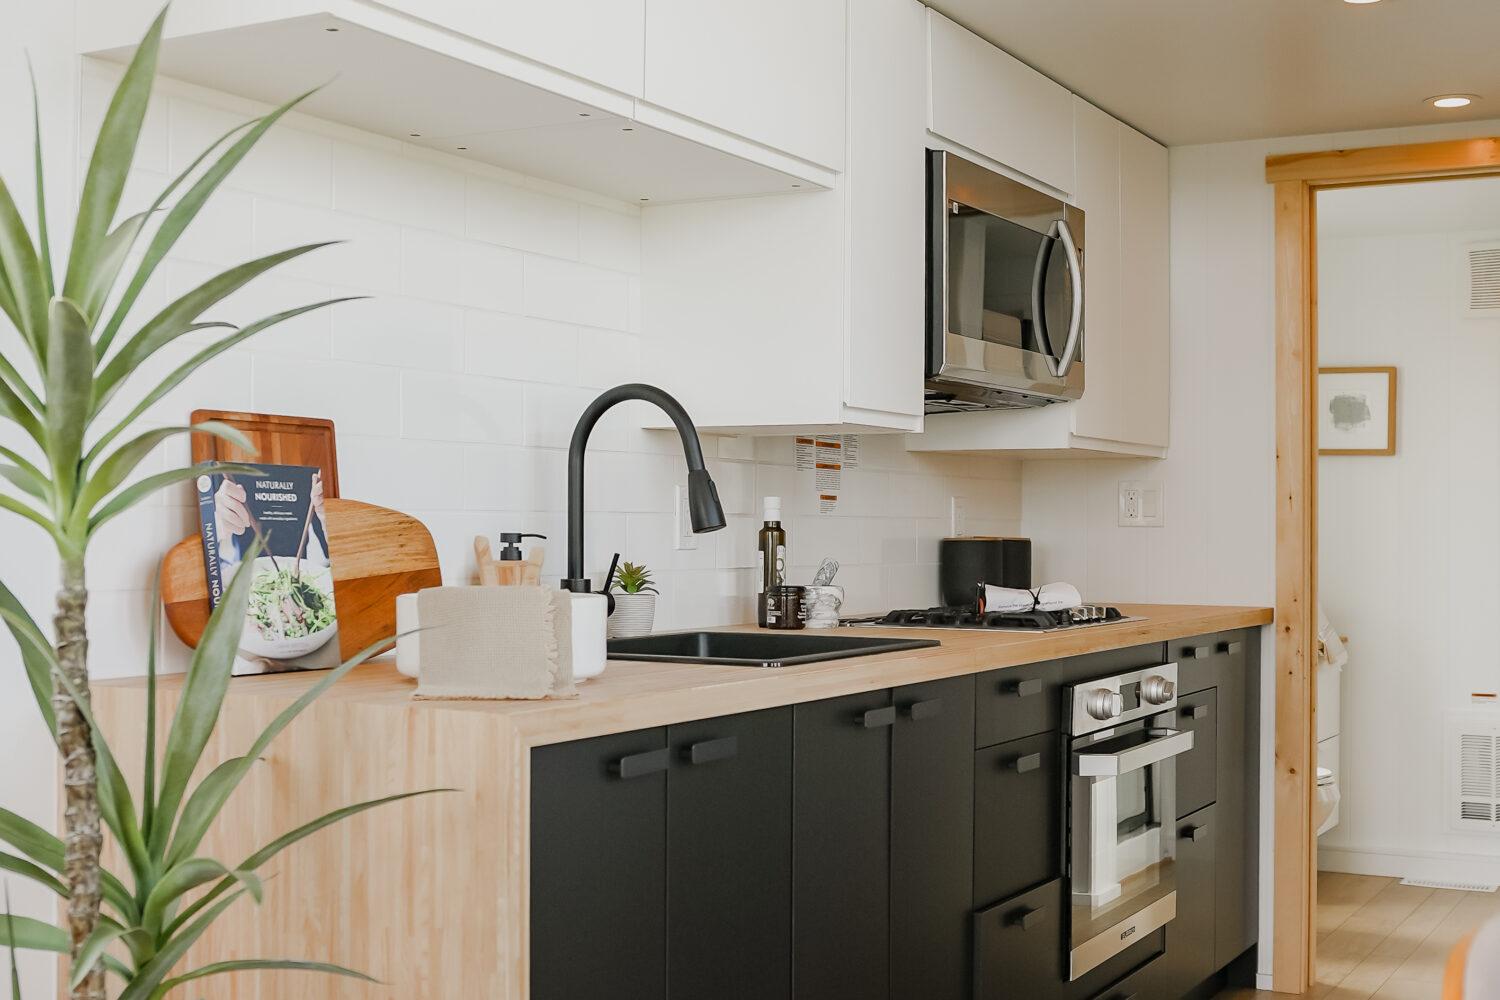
[637,694]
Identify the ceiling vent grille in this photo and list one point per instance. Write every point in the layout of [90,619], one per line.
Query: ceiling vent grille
[1474,777]
[1482,271]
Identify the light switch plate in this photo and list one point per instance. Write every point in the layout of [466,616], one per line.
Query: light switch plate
[685,539]
[1141,504]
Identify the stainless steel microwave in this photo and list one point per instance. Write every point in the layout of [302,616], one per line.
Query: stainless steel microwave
[1004,291]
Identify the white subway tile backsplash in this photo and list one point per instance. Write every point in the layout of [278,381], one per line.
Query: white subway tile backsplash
[369,257]
[609,239]
[607,358]
[461,408]
[404,332]
[520,347]
[405,475]
[513,478]
[576,293]
[359,399]
[435,266]
[386,185]
[526,220]
[287,163]
[552,411]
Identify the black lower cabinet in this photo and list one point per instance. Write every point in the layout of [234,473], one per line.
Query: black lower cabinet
[932,840]
[1020,946]
[1189,959]
[841,847]
[1018,816]
[599,868]
[729,858]
[1197,770]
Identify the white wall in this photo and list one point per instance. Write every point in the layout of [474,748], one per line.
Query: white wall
[502,305]
[1409,545]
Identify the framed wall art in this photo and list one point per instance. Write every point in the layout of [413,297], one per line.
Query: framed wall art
[1357,411]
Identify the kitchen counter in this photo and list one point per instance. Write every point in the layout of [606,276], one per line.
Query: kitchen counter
[459,863]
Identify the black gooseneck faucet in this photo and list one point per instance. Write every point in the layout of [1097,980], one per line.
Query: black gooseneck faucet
[703,497]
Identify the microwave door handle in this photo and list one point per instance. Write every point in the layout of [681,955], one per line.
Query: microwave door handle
[1075,322]
[1039,303]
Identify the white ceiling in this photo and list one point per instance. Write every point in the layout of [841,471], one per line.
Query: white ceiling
[1456,206]
[1190,71]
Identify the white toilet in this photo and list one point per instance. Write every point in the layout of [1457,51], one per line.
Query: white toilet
[1326,804]
[1326,808]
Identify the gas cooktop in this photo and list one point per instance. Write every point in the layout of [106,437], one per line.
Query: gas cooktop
[1083,616]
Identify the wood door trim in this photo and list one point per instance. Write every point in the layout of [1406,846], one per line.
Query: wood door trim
[1297,178]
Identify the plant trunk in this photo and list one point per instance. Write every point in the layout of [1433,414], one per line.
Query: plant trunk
[82,840]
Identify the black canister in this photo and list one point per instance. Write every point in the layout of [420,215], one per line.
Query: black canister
[785,608]
[965,563]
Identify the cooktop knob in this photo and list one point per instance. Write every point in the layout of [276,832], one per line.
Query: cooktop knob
[1103,704]
[1158,690]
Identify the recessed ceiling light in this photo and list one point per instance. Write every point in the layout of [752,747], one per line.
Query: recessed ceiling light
[460,147]
[415,135]
[1451,101]
[1361,1]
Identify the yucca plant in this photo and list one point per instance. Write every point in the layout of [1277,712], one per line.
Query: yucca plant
[159,906]
[71,471]
[634,578]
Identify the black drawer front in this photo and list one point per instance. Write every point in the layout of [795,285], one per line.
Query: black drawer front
[1018,816]
[1142,984]
[1197,770]
[1201,659]
[1020,946]
[1190,938]
[1026,700]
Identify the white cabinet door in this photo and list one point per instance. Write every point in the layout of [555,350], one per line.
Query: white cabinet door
[771,71]
[1097,192]
[1145,231]
[602,41]
[984,99]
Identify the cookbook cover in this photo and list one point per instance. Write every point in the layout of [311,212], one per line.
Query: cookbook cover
[290,621]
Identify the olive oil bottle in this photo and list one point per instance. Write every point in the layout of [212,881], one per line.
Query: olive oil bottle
[772,547]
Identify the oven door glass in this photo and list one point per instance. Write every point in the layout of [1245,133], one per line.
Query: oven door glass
[1007,284]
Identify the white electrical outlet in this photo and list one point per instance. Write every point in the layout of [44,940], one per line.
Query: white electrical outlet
[686,539]
[958,517]
[1141,504]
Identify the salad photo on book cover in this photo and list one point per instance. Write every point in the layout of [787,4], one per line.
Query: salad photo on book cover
[290,622]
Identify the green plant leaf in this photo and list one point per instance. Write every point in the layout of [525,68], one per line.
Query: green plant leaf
[105,934]
[187,208]
[27,869]
[15,409]
[40,520]
[112,257]
[178,317]
[31,840]
[13,381]
[115,469]
[198,360]
[148,779]
[25,477]
[10,937]
[138,491]
[143,986]
[286,840]
[183,878]
[109,167]
[211,794]
[70,379]
[258,965]
[38,666]
[44,242]
[202,698]
[35,935]
[104,395]
[21,271]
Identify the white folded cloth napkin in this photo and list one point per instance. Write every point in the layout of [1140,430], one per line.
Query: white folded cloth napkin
[1048,597]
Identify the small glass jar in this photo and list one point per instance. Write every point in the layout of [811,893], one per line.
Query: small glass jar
[785,608]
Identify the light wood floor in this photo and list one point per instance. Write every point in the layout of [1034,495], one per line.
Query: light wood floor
[1381,940]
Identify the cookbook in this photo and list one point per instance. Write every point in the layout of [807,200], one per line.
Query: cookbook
[290,620]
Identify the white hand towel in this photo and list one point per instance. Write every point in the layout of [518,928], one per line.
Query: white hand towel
[1330,645]
[1051,597]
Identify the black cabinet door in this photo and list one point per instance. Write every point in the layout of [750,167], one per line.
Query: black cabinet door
[1018,816]
[932,840]
[1198,769]
[729,858]
[1190,936]
[841,847]
[598,868]
[1237,811]
[1020,946]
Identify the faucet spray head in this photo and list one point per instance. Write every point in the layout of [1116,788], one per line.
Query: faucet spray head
[704,508]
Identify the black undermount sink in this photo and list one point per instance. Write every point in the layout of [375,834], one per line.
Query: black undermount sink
[754,649]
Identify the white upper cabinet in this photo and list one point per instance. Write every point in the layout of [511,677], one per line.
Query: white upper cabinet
[1105,346]
[995,105]
[804,312]
[771,71]
[1145,287]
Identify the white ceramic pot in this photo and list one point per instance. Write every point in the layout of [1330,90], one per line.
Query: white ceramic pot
[635,614]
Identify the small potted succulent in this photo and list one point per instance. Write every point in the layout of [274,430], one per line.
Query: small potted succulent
[635,602]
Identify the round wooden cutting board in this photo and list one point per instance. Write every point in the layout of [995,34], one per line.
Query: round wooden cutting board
[377,553]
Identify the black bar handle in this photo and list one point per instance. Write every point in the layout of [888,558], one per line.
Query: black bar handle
[638,764]
[1030,762]
[709,751]
[1195,833]
[877,717]
[925,709]
[1022,689]
[1231,647]
[1197,652]
[1027,919]
[1195,712]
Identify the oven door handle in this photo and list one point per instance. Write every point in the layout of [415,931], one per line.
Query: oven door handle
[1154,751]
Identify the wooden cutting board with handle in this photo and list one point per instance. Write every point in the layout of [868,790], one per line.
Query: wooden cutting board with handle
[377,554]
